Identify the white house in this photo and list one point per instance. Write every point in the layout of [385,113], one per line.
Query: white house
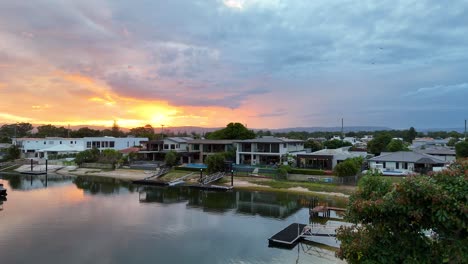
[266,150]
[403,162]
[41,147]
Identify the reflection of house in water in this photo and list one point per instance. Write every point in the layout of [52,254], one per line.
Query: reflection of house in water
[102,185]
[252,203]
[267,204]
[2,199]
[163,195]
[32,182]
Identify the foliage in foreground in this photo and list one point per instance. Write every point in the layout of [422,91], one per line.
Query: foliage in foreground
[392,222]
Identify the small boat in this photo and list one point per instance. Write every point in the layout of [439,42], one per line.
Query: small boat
[2,190]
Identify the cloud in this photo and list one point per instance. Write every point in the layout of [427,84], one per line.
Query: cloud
[238,55]
[439,90]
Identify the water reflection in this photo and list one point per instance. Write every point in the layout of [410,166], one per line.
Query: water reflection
[265,204]
[2,200]
[111,221]
[103,185]
[31,182]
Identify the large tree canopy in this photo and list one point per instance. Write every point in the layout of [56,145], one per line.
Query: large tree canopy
[232,131]
[422,219]
[461,149]
[379,143]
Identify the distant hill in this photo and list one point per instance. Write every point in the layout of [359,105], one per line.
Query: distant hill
[457,129]
[330,129]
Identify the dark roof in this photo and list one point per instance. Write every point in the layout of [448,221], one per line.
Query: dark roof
[408,156]
[211,141]
[270,140]
[437,151]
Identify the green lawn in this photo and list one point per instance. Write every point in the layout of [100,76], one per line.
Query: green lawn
[312,186]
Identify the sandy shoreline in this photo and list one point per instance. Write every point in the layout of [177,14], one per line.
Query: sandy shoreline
[131,175]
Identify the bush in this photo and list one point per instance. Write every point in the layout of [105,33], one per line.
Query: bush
[109,156]
[171,158]
[283,171]
[89,155]
[348,167]
[215,162]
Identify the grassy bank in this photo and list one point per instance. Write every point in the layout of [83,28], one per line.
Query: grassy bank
[311,186]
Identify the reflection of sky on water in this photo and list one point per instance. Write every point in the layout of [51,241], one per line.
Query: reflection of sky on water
[66,224]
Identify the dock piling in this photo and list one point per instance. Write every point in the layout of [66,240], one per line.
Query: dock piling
[232,177]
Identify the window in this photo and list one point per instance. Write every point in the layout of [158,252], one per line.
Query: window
[111,144]
[384,165]
[196,147]
[397,165]
[405,165]
[284,145]
[166,146]
[88,144]
[98,144]
[45,142]
[172,146]
[71,142]
[60,142]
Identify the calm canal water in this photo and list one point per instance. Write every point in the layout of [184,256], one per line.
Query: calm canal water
[100,220]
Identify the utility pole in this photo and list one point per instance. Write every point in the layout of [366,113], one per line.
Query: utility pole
[342,130]
[465,129]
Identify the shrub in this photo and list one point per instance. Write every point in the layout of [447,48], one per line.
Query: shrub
[171,158]
[215,162]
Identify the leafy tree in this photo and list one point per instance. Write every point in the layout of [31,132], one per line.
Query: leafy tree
[379,143]
[461,149]
[410,135]
[335,143]
[12,153]
[89,155]
[392,222]
[51,131]
[215,162]
[348,167]
[85,132]
[452,142]
[232,131]
[146,131]
[170,158]
[109,156]
[8,131]
[313,145]
[115,130]
[396,145]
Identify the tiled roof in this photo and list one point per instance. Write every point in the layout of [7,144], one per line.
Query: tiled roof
[407,156]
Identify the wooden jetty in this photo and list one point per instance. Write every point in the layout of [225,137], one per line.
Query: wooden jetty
[287,237]
[212,178]
[325,210]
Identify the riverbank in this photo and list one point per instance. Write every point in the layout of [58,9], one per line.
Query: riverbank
[243,183]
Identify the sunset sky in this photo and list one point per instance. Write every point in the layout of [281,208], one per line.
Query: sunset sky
[264,63]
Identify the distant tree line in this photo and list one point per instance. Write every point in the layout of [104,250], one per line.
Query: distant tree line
[9,131]
[231,131]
